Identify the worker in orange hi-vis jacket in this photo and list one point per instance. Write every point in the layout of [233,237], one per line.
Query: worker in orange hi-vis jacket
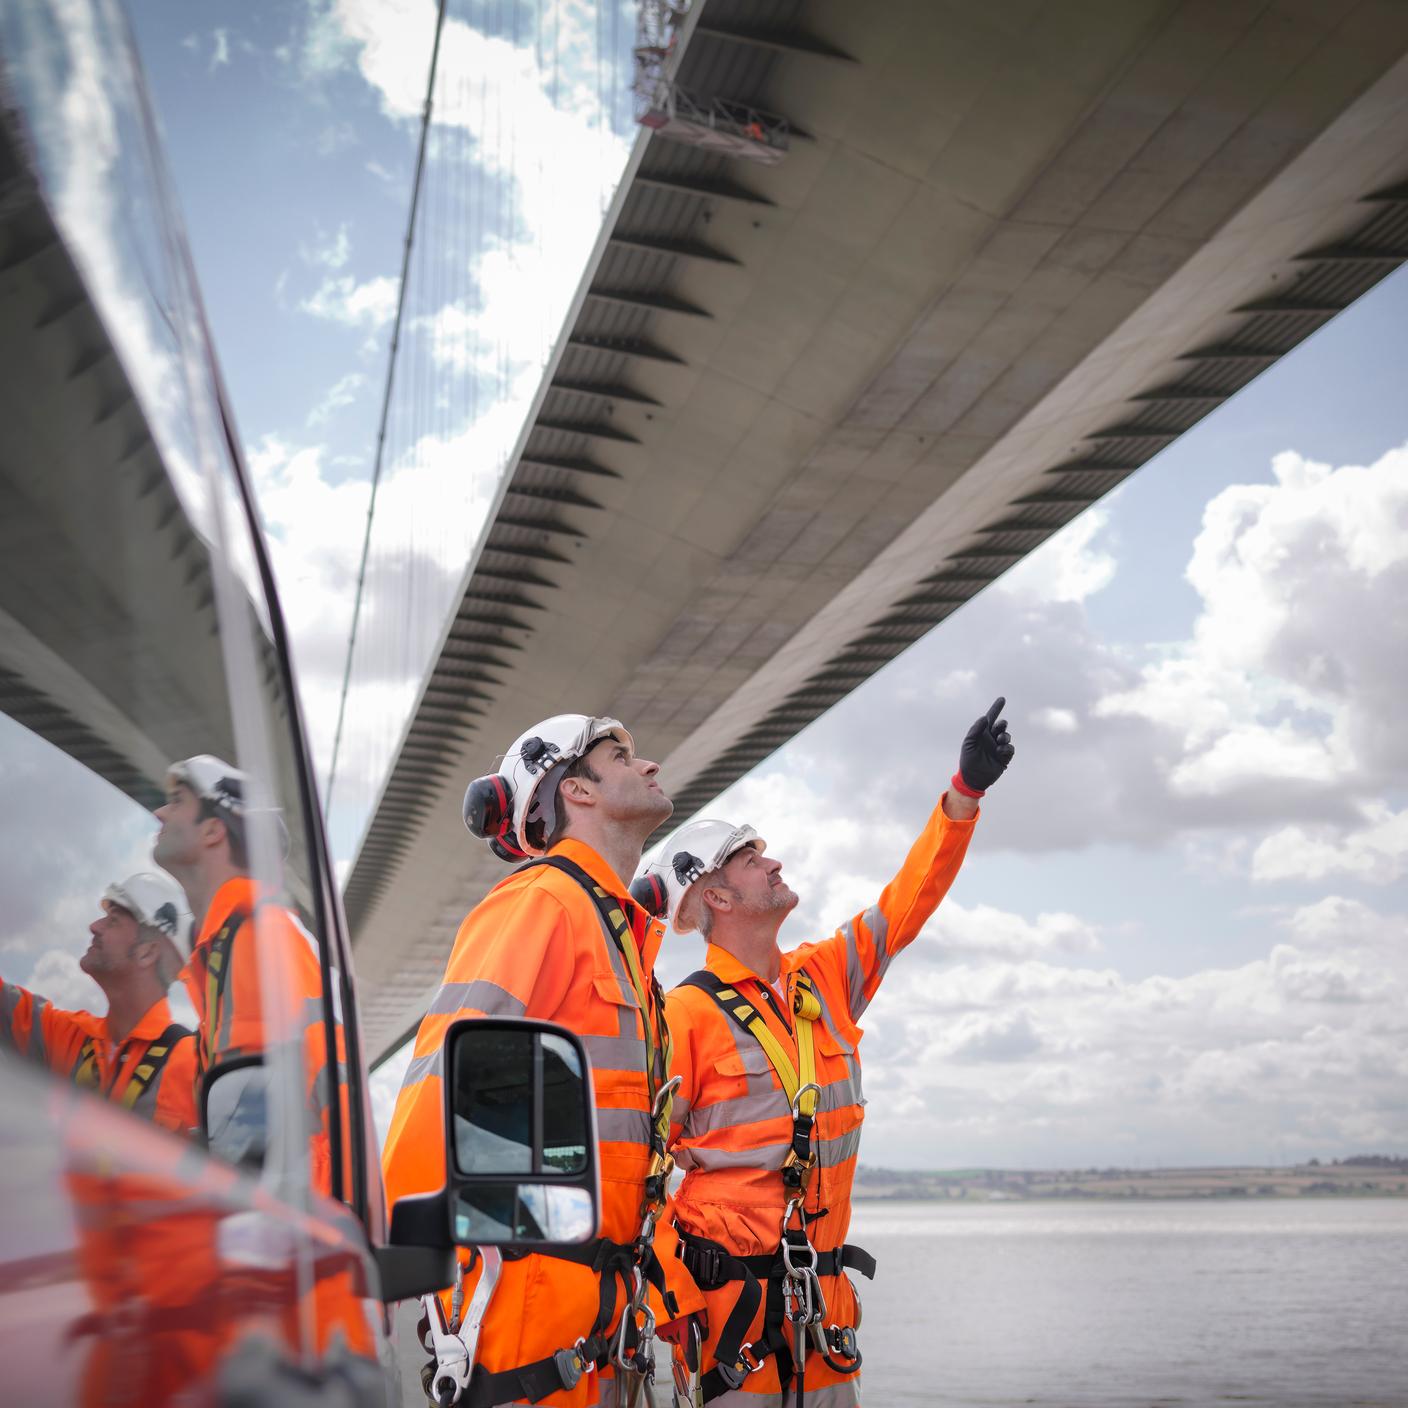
[204,842]
[136,1055]
[560,940]
[768,1114]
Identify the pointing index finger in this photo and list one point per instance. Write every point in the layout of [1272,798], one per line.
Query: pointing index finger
[998,705]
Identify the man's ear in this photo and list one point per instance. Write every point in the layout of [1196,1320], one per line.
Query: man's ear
[577,790]
[146,952]
[213,831]
[717,897]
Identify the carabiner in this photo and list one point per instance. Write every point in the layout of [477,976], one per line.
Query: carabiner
[666,1092]
[797,1098]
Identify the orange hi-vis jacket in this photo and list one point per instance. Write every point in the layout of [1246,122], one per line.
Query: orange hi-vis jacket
[223,979]
[152,1071]
[733,1126]
[537,946]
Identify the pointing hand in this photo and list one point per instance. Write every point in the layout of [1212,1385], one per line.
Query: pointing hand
[987,749]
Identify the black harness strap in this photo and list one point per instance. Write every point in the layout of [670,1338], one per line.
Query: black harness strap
[712,1265]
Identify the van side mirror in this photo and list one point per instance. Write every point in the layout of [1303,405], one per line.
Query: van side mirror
[234,1111]
[522,1137]
[521,1166]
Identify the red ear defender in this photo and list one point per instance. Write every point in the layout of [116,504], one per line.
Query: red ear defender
[648,891]
[488,813]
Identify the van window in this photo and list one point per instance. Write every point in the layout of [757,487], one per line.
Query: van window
[158,870]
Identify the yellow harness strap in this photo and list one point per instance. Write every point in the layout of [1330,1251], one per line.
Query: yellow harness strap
[657,1034]
[806,1009]
[85,1070]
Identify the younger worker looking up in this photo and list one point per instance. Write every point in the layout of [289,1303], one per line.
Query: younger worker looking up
[242,932]
[559,940]
[769,1109]
[135,1056]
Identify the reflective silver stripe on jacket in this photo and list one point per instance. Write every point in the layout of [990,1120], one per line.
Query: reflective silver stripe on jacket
[856,974]
[481,995]
[830,1152]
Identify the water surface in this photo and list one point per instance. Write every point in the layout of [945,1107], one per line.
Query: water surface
[1279,1302]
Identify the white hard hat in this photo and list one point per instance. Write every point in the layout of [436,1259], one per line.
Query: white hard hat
[154,901]
[515,810]
[213,780]
[689,854]
[226,788]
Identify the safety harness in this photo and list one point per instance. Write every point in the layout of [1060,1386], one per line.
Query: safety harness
[217,975]
[633,1266]
[792,1274]
[87,1074]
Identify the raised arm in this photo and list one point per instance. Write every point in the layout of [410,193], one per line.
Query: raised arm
[865,945]
[33,1028]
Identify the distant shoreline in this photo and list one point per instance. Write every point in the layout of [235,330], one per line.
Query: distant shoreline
[1368,1176]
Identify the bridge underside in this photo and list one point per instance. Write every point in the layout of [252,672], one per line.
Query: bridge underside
[801,412]
[109,636]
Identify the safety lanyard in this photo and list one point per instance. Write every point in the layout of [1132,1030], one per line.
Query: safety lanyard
[798,1081]
[217,973]
[652,1005]
[648,995]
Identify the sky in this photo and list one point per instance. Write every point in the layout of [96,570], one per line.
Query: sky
[1180,934]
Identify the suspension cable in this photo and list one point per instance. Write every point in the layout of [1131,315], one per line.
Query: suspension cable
[386,396]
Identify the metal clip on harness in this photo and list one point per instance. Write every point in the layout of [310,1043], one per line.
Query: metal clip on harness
[453,1345]
[633,1347]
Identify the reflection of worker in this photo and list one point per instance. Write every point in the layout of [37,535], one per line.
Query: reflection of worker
[559,940]
[204,842]
[136,1055]
[770,1103]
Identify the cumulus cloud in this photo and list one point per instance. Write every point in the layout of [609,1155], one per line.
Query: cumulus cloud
[344,392]
[521,160]
[328,252]
[1069,567]
[1376,852]
[58,977]
[1275,711]
[1294,665]
[367,303]
[1299,1052]
[219,49]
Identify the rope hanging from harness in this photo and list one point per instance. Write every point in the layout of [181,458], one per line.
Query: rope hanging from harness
[633,1266]
[792,1276]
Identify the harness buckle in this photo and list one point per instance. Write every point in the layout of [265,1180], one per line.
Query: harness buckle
[705,1264]
[748,1363]
[570,1367]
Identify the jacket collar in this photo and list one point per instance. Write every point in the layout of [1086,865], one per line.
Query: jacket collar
[155,1020]
[569,848]
[241,891]
[722,964]
[650,933]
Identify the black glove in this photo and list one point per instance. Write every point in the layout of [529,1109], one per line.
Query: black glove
[987,749]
